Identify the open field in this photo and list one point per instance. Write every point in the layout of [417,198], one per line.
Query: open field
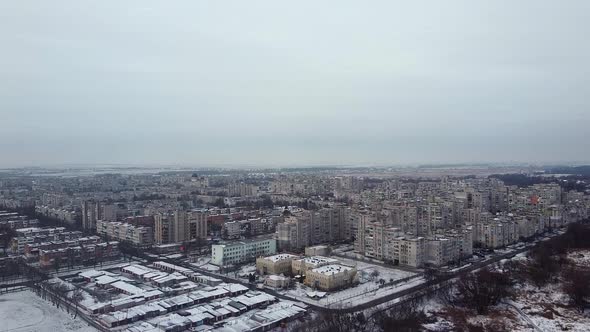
[24,311]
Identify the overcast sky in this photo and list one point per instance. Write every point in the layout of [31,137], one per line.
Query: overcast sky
[293,82]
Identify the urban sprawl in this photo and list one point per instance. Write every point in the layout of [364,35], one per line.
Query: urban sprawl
[229,250]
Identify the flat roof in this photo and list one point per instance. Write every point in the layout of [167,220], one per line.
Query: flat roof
[332,269]
[280,257]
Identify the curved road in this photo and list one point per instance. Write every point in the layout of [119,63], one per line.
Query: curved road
[424,287]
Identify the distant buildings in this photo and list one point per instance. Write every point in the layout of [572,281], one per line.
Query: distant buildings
[32,235]
[13,220]
[69,216]
[125,232]
[180,227]
[304,228]
[90,214]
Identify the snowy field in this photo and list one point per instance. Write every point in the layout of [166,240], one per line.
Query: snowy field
[366,268]
[24,311]
[546,307]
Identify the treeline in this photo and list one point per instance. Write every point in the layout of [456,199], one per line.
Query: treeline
[567,183]
[578,170]
[547,263]
[59,293]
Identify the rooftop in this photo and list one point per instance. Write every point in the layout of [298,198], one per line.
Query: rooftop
[332,269]
[280,257]
[319,260]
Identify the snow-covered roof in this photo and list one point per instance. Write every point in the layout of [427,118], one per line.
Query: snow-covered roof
[319,260]
[127,288]
[280,257]
[332,269]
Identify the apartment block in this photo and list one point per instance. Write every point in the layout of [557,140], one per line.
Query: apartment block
[238,252]
[137,235]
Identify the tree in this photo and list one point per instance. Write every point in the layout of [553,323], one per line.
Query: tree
[10,268]
[6,235]
[334,322]
[77,297]
[402,318]
[576,284]
[374,274]
[56,264]
[431,273]
[483,289]
[543,266]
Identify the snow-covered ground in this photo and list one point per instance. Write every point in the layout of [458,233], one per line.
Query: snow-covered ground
[24,311]
[366,291]
[200,261]
[365,269]
[547,308]
[580,257]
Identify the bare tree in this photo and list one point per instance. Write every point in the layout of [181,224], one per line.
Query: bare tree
[543,266]
[334,322]
[576,284]
[403,318]
[374,274]
[76,298]
[61,291]
[6,235]
[431,273]
[483,289]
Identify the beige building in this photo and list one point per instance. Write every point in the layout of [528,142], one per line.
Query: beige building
[276,264]
[411,251]
[179,227]
[124,232]
[162,225]
[301,266]
[197,224]
[331,277]
[276,281]
[294,232]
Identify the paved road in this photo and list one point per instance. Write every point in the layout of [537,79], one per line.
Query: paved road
[525,316]
[417,290]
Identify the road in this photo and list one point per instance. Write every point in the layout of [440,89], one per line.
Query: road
[423,288]
[525,316]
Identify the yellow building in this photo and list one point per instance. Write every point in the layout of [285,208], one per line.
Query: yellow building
[276,264]
[331,277]
[301,266]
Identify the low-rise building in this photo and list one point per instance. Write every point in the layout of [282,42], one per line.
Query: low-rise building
[276,264]
[331,277]
[238,252]
[276,281]
[301,266]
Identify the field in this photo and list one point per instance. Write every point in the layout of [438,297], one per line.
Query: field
[24,311]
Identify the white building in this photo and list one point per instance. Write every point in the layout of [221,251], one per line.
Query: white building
[138,235]
[238,252]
